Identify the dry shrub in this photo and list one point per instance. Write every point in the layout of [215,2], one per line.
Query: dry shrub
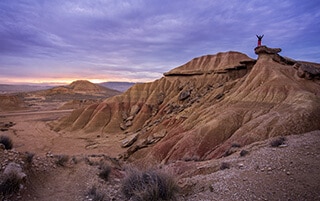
[10,183]
[224,166]
[243,152]
[62,160]
[105,171]
[236,145]
[277,142]
[6,141]
[29,157]
[148,185]
[95,195]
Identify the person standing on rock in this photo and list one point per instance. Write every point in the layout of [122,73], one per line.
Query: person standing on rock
[259,39]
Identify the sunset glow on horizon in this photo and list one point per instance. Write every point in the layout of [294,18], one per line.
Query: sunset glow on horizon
[138,41]
[63,81]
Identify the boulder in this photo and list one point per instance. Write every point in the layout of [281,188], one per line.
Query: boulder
[184,95]
[14,169]
[127,142]
[134,110]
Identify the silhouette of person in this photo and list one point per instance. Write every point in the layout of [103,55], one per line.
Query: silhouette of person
[259,39]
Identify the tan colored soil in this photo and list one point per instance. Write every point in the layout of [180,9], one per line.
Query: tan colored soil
[266,173]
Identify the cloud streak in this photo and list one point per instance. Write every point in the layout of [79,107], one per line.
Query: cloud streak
[140,40]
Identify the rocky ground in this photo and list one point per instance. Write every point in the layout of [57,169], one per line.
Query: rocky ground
[263,172]
[288,172]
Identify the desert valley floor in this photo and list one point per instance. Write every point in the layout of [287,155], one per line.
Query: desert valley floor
[290,172]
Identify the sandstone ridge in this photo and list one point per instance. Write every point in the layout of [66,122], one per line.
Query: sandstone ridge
[198,110]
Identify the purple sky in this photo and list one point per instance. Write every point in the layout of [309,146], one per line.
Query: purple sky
[138,40]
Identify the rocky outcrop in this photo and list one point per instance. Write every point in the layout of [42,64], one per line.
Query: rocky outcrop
[307,70]
[211,64]
[198,110]
[266,50]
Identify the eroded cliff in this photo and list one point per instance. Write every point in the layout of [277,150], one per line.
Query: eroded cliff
[198,110]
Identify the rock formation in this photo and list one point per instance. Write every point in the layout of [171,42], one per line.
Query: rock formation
[198,110]
[10,102]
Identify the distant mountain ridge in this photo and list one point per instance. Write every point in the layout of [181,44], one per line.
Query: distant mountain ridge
[120,86]
[79,93]
[13,88]
[10,88]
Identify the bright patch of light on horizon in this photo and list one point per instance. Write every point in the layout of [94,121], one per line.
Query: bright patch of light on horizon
[64,81]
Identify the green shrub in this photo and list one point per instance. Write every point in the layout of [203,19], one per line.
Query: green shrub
[6,141]
[149,185]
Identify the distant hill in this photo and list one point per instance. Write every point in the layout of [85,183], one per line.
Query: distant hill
[78,94]
[119,86]
[10,88]
[80,89]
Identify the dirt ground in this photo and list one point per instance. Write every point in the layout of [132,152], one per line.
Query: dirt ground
[32,133]
[290,172]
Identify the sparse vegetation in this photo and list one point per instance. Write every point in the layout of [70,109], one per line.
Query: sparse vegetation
[149,185]
[243,152]
[194,158]
[6,141]
[10,184]
[29,157]
[62,160]
[95,195]
[236,145]
[105,171]
[74,160]
[278,141]
[211,188]
[224,166]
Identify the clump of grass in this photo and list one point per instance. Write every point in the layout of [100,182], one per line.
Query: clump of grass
[224,166]
[105,171]
[6,141]
[194,158]
[233,148]
[62,160]
[236,145]
[29,157]
[278,141]
[10,184]
[148,185]
[243,152]
[95,195]
[74,160]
